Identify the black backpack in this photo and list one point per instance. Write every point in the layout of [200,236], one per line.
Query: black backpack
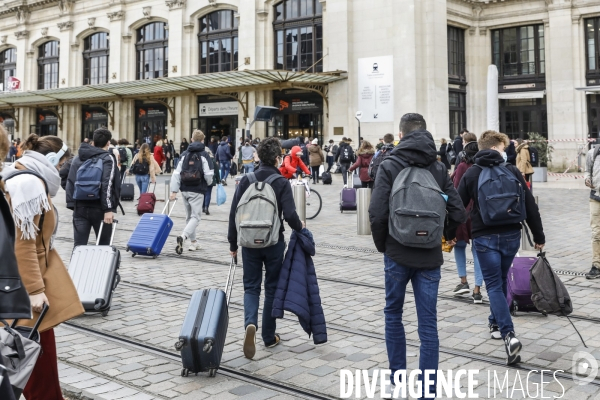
[451,154]
[534,157]
[122,155]
[347,154]
[140,167]
[191,170]
[376,161]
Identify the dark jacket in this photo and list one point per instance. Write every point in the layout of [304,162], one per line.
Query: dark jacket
[468,190]
[341,149]
[463,232]
[199,149]
[183,147]
[511,154]
[110,190]
[213,146]
[363,162]
[417,148]
[298,289]
[223,154]
[285,203]
[443,153]
[64,173]
[457,144]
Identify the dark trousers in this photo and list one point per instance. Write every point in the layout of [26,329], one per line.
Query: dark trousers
[344,166]
[86,218]
[207,197]
[168,165]
[315,174]
[329,163]
[43,383]
[122,171]
[366,185]
[272,258]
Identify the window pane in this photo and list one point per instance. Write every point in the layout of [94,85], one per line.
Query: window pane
[591,45]
[292,49]
[306,48]
[203,57]
[279,12]
[213,56]
[213,21]
[225,55]
[235,52]
[318,8]
[542,49]
[203,25]
[509,52]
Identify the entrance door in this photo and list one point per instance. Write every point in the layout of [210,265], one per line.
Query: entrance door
[151,130]
[593,103]
[50,129]
[289,126]
[216,127]
[520,117]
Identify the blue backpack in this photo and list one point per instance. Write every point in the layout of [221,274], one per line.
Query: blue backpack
[88,181]
[501,196]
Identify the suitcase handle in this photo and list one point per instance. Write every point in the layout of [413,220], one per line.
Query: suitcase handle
[230,276]
[112,236]
[37,323]
[165,208]
[153,188]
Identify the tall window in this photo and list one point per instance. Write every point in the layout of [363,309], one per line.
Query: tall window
[218,39]
[152,49]
[458,112]
[8,65]
[592,47]
[48,65]
[456,53]
[299,35]
[95,59]
[519,51]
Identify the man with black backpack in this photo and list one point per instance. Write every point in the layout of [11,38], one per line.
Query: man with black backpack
[501,202]
[93,188]
[345,156]
[592,180]
[256,224]
[382,154]
[193,175]
[417,187]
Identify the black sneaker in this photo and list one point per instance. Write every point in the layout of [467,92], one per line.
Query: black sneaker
[179,248]
[477,298]
[594,273]
[513,347]
[275,343]
[495,332]
[462,288]
[206,212]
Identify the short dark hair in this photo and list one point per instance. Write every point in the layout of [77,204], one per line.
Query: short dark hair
[101,137]
[464,130]
[224,138]
[412,122]
[388,138]
[268,151]
[124,142]
[330,140]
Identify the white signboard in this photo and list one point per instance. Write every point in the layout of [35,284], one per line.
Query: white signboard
[218,109]
[376,89]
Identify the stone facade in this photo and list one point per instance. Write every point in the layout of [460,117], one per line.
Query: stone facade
[414,32]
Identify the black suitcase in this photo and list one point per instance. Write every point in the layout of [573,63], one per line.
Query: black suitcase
[95,273]
[202,336]
[327,180]
[127,191]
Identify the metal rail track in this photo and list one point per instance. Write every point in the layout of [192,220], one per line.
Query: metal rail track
[458,353]
[228,372]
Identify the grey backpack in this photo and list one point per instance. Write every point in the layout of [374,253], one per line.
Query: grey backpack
[256,216]
[417,208]
[549,294]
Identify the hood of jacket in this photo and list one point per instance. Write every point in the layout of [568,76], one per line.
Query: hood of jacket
[522,146]
[485,158]
[306,241]
[224,144]
[295,150]
[365,152]
[314,148]
[417,148]
[196,147]
[87,151]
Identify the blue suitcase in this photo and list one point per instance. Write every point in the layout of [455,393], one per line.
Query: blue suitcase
[151,233]
[202,336]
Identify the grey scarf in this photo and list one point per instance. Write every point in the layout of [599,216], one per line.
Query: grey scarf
[37,162]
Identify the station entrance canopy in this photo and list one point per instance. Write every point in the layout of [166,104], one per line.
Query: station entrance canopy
[233,83]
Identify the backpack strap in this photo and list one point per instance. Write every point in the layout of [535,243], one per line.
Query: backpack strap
[272,178]
[251,177]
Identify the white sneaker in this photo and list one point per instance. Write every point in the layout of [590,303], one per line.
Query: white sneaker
[345,186]
[194,246]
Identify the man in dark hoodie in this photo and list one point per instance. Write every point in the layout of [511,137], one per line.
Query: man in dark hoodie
[421,266]
[88,214]
[345,156]
[224,158]
[497,245]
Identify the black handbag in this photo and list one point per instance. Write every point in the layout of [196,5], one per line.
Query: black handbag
[14,299]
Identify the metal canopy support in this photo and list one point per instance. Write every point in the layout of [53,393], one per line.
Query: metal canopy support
[109,107]
[56,110]
[15,114]
[168,102]
[240,97]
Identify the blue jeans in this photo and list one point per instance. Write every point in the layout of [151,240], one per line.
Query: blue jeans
[272,258]
[496,253]
[207,196]
[425,285]
[329,160]
[225,166]
[142,181]
[248,167]
[460,256]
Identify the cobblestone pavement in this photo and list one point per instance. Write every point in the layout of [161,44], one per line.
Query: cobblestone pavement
[151,301]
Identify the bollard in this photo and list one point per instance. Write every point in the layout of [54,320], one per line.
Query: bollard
[363,223]
[167,189]
[525,246]
[300,201]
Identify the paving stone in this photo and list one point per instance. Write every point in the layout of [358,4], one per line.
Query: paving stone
[244,390]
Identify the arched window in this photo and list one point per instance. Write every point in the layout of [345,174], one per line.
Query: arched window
[48,65]
[8,65]
[218,39]
[299,35]
[152,49]
[95,59]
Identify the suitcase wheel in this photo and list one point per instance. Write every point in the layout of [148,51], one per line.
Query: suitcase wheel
[105,312]
[185,372]
[212,372]
[127,249]
[133,254]
[154,256]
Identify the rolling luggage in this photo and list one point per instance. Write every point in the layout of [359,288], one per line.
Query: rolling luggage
[356,182]
[326,178]
[348,197]
[95,273]
[147,202]
[127,191]
[518,286]
[202,336]
[151,233]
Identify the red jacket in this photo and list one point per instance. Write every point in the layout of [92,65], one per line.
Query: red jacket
[363,162]
[463,232]
[159,155]
[291,164]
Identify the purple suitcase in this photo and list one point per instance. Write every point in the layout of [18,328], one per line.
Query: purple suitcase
[348,196]
[518,287]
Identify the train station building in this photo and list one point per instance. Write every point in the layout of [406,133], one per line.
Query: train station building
[160,68]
